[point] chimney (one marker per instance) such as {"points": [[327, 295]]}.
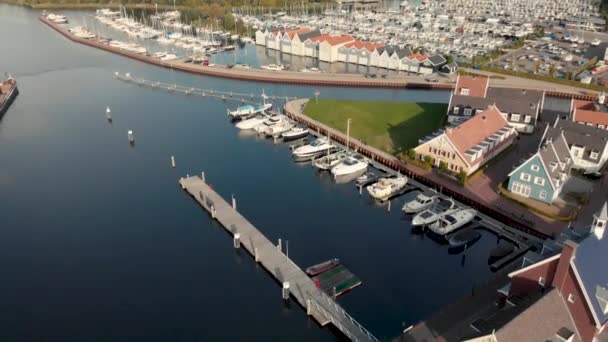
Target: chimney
{"points": [[563, 265], [599, 222]]}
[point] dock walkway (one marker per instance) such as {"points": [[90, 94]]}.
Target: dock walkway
{"points": [[318, 304]]}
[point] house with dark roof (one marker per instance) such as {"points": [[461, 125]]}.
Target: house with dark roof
{"points": [[468, 146], [578, 274], [299, 38], [449, 68], [588, 144], [434, 63], [543, 175], [520, 107]]}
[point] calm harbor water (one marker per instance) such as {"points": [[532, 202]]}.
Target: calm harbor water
{"points": [[98, 242]]}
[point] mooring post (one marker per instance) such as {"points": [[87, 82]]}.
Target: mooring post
{"points": [[212, 211], [308, 307], [131, 136], [233, 202], [360, 190], [203, 176], [237, 240], [285, 290], [280, 245], [389, 206], [256, 255], [173, 161]]}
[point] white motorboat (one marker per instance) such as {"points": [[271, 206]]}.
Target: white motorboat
{"points": [[249, 110], [271, 121], [246, 40], [353, 164], [168, 57], [435, 212], [387, 187], [253, 122], [596, 42], [366, 178], [420, 203], [315, 148], [453, 221], [295, 133], [273, 67], [279, 128], [327, 162]]}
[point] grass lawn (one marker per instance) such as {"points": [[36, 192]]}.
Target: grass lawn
{"points": [[389, 126]]}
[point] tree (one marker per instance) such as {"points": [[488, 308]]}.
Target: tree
{"points": [[228, 21], [552, 70], [411, 154]]}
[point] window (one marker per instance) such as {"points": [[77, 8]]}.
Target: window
{"points": [[527, 119], [539, 181], [525, 177], [464, 91], [468, 111], [541, 281], [456, 110], [593, 155], [576, 152], [571, 298], [521, 189], [535, 168], [542, 195], [515, 117]]}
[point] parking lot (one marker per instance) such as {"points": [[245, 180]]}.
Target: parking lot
{"points": [[558, 58]]}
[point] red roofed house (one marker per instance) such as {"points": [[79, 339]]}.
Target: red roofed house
{"points": [[471, 144], [472, 86], [592, 113], [357, 52], [329, 45]]}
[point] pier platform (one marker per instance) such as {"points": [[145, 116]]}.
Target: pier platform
{"points": [[318, 305]]}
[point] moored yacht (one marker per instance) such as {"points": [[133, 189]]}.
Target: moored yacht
{"points": [[352, 164], [315, 148], [329, 161], [596, 42], [253, 122], [271, 121], [418, 204], [279, 128], [249, 110], [435, 212], [387, 187], [295, 133], [273, 67], [453, 221]]}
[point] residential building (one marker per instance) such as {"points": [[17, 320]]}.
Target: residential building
{"points": [[466, 147], [329, 45], [543, 175], [592, 113], [588, 144], [520, 107]]}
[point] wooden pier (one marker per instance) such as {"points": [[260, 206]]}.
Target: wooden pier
{"points": [[318, 305]]}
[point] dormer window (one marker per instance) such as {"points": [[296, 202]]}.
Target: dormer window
{"points": [[468, 111], [593, 155], [464, 91], [527, 119], [515, 117], [456, 110]]}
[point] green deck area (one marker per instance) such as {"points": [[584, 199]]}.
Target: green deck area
{"points": [[339, 278], [390, 126]]}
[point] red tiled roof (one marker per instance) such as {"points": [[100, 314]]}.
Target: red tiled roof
{"points": [[332, 40], [364, 45], [476, 129], [292, 33], [477, 85], [419, 57], [586, 113]]}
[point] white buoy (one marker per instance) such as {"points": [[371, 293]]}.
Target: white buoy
{"points": [[237, 240], [131, 137], [285, 290], [172, 161], [108, 114]]}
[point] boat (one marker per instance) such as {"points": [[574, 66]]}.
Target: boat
{"points": [[596, 42], [386, 187], [168, 57], [434, 213], [452, 221], [315, 148], [464, 238], [352, 164], [503, 249], [271, 121], [366, 179], [295, 133], [329, 161], [252, 122], [273, 67], [279, 128], [8, 93], [249, 110], [322, 267], [418, 204], [246, 40]]}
